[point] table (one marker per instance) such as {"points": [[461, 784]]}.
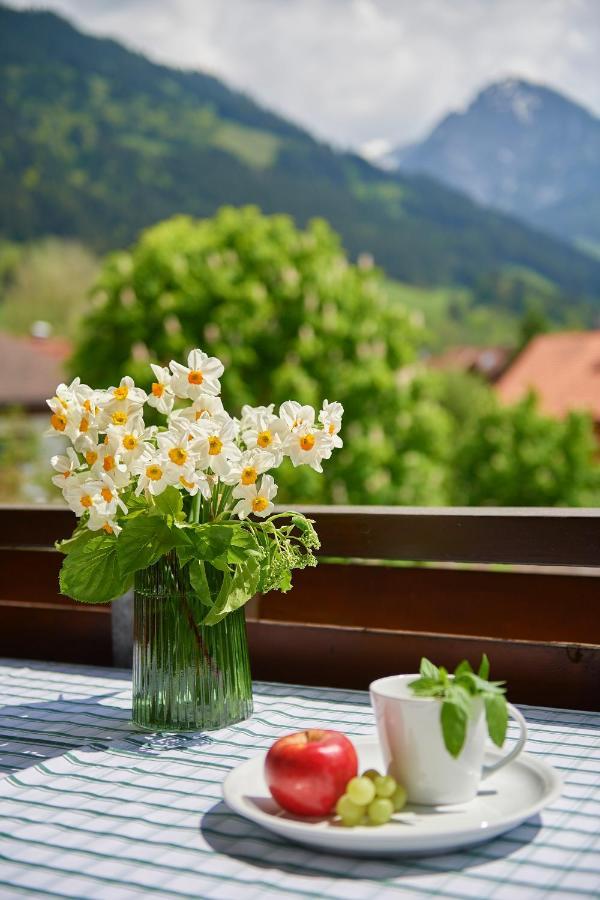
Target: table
{"points": [[90, 808]]}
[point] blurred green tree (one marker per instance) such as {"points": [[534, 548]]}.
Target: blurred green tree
{"points": [[290, 317], [514, 456]]}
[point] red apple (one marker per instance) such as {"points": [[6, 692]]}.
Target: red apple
{"points": [[307, 772]]}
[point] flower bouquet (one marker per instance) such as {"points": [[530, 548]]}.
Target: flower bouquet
{"points": [[184, 512]]}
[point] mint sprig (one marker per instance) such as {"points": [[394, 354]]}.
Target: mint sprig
{"points": [[457, 694]]}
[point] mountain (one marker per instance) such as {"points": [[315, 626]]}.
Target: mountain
{"points": [[98, 142], [524, 149]]}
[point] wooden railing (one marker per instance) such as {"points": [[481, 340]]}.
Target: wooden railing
{"points": [[362, 615]]}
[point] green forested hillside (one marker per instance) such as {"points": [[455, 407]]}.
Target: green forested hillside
{"points": [[97, 142]]}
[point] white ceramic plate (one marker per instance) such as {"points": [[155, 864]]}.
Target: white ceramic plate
{"points": [[514, 794]]}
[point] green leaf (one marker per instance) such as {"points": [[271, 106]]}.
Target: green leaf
{"points": [[496, 714], [235, 591], [426, 687], [170, 502], [428, 670], [484, 668], [454, 721], [143, 541], [91, 573], [78, 540], [199, 582], [462, 668]]}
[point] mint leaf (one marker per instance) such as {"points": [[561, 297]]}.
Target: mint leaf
{"points": [[462, 668], [170, 502], [91, 573], [426, 687], [454, 721], [143, 541], [484, 668], [428, 670], [496, 714]]}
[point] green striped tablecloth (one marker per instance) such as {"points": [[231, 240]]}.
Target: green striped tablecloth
{"points": [[91, 809]]}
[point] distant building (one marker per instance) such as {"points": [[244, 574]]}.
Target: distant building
{"points": [[30, 370], [564, 371], [488, 362]]}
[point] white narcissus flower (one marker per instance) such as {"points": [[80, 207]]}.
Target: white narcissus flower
{"points": [[154, 475], [266, 433], [99, 521], [216, 445], [200, 376], [126, 394], [295, 415], [66, 466], [177, 446], [308, 446], [161, 395], [254, 498], [129, 444], [195, 482], [204, 406], [109, 462], [331, 419], [82, 494], [246, 469], [109, 501], [252, 414]]}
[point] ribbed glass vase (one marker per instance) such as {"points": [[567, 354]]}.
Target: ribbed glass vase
{"points": [[185, 677]]}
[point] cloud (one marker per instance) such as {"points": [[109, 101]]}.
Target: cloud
{"points": [[354, 71]]}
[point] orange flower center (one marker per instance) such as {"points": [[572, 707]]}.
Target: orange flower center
{"points": [[86, 501], [121, 392], [200, 413], [130, 442], [84, 424], [215, 445], [249, 475], [107, 528], [158, 389], [195, 377], [307, 441], [264, 439], [107, 494], [119, 417], [259, 504], [90, 457], [178, 456], [187, 484], [58, 422], [108, 463], [332, 428], [154, 472], [87, 406]]}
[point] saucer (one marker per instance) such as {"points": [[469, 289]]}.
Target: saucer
{"points": [[506, 799]]}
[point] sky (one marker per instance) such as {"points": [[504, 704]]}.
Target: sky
{"points": [[360, 72]]}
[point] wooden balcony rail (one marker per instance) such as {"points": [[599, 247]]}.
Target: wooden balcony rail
{"points": [[363, 615]]}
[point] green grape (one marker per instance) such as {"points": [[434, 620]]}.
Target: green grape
{"points": [[398, 798], [385, 786], [349, 812], [360, 790], [370, 773], [380, 811]]}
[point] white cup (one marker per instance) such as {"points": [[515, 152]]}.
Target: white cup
{"points": [[413, 747]]}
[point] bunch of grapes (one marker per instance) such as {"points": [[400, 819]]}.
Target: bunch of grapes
{"points": [[370, 799]]}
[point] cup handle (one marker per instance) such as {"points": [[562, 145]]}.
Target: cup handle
{"points": [[514, 712]]}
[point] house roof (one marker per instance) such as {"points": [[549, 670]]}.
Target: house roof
{"points": [[563, 369], [488, 362], [30, 369]]}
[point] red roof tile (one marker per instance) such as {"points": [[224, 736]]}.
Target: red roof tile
{"points": [[30, 369], [563, 369]]}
